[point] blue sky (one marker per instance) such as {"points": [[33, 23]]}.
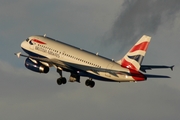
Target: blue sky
{"points": [[107, 27]]}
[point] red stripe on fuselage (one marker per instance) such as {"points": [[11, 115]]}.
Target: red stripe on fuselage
{"points": [[128, 65], [38, 41], [142, 46], [137, 76]]}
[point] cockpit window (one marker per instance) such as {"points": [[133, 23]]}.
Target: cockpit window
{"points": [[27, 39]]}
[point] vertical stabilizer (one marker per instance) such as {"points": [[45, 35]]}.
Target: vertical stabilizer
{"points": [[133, 59]]}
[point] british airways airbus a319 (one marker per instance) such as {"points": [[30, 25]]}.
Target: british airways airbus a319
{"points": [[44, 52]]}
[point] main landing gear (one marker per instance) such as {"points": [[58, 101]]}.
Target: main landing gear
{"points": [[90, 83], [61, 80], [73, 78]]}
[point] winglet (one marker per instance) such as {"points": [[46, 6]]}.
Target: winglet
{"points": [[172, 67], [18, 54]]}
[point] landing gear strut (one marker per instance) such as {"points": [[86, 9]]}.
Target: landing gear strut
{"points": [[61, 80], [73, 77], [90, 83]]}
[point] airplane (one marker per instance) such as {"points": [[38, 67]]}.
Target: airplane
{"points": [[45, 52]]}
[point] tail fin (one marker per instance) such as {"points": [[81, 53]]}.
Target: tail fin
{"points": [[134, 57]]}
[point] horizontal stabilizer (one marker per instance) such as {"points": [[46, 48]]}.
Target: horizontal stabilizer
{"points": [[149, 67], [156, 76]]}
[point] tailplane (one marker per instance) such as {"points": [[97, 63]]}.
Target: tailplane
{"points": [[133, 59]]}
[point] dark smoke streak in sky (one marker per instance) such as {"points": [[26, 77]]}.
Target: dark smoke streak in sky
{"points": [[140, 17]]}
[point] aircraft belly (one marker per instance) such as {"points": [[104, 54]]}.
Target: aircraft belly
{"points": [[104, 77]]}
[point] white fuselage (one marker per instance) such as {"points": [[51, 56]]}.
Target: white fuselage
{"points": [[54, 49]]}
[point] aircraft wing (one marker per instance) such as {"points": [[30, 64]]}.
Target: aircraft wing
{"points": [[149, 67], [95, 70], [73, 66], [77, 67], [53, 62]]}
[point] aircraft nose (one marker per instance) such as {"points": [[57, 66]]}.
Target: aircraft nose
{"points": [[22, 44]]}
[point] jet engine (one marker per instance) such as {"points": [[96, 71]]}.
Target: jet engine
{"points": [[36, 66]]}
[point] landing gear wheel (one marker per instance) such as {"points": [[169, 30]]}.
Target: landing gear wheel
{"points": [[90, 83], [61, 81], [87, 83]]}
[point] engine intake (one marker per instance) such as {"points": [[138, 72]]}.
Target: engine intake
{"points": [[36, 67]]}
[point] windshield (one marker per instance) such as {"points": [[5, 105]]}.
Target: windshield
{"points": [[27, 39]]}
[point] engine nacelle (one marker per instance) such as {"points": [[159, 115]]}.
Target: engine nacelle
{"points": [[36, 67]]}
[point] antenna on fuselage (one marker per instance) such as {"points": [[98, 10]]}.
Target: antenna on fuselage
{"points": [[44, 35]]}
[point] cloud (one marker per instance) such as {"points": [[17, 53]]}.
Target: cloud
{"points": [[140, 17], [72, 21], [25, 94], [28, 95]]}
